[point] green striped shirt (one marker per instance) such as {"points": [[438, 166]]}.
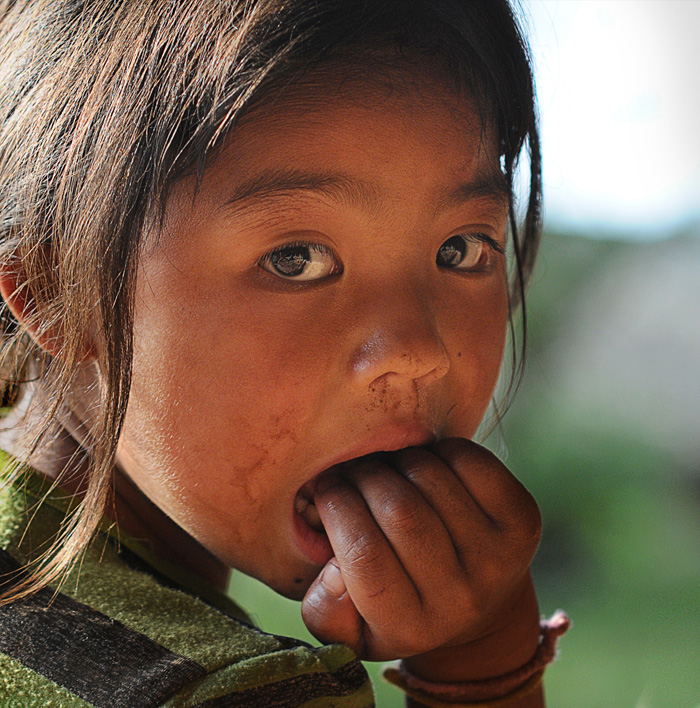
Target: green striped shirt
{"points": [[123, 634]]}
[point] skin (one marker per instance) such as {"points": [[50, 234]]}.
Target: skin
{"points": [[247, 386]]}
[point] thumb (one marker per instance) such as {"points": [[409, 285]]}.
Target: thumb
{"points": [[329, 613]]}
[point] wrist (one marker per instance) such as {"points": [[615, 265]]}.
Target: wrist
{"points": [[510, 643], [520, 688]]}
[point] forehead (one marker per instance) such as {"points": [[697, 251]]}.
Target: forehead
{"points": [[369, 130], [398, 93]]}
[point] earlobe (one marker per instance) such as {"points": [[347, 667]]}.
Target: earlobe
{"points": [[18, 299]]}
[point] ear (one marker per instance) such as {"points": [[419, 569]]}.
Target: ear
{"points": [[17, 296]]}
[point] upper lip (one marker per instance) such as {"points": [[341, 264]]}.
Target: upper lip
{"points": [[390, 437]]}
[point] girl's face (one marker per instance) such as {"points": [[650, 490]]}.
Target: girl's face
{"points": [[336, 287]]}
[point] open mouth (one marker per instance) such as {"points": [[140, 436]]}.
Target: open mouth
{"points": [[306, 508], [310, 533]]}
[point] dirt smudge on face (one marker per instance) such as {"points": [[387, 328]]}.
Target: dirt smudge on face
{"points": [[395, 395], [249, 483]]}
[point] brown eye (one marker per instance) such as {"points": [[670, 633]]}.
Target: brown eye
{"points": [[301, 262], [461, 252]]}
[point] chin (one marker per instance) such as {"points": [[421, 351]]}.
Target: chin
{"points": [[294, 585]]}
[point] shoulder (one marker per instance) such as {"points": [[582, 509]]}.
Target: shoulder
{"points": [[120, 637], [168, 649]]}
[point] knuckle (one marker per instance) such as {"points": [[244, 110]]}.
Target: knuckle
{"points": [[454, 451], [414, 461], [401, 516], [458, 452], [361, 550]]}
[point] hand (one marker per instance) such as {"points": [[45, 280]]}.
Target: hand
{"points": [[432, 551]]}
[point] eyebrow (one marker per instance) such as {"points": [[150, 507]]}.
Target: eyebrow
{"points": [[487, 186], [273, 184]]}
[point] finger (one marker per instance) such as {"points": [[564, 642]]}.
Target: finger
{"points": [[497, 491], [414, 530], [328, 610], [376, 581], [460, 513]]}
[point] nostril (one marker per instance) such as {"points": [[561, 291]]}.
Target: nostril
{"points": [[413, 353], [437, 372]]}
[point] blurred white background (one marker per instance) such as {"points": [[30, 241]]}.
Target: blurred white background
{"points": [[619, 90]]}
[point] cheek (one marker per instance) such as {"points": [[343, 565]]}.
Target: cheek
{"points": [[223, 378], [222, 397], [477, 345]]}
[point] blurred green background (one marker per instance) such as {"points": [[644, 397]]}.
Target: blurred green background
{"points": [[604, 432]]}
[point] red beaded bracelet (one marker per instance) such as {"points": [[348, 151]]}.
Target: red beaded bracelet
{"points": [[497, 691]]}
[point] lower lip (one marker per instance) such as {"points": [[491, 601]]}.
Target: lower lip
{"points": [[314, 545]]}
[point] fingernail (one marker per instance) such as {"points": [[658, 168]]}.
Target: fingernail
{"points": [[333, 580]]}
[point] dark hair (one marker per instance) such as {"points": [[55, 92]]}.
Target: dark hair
{"points": [[106, 104]]}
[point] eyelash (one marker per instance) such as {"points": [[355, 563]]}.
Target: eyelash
{"points": [[487, 240], [312, 246], [489, 247], [316, 247]]}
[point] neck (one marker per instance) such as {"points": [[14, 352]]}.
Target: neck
{"points": [[64, 459]]}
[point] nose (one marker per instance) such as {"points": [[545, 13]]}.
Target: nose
{"points": [[399, 343]]}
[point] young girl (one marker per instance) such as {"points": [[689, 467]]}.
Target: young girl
{"points": [[259, 260]]}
